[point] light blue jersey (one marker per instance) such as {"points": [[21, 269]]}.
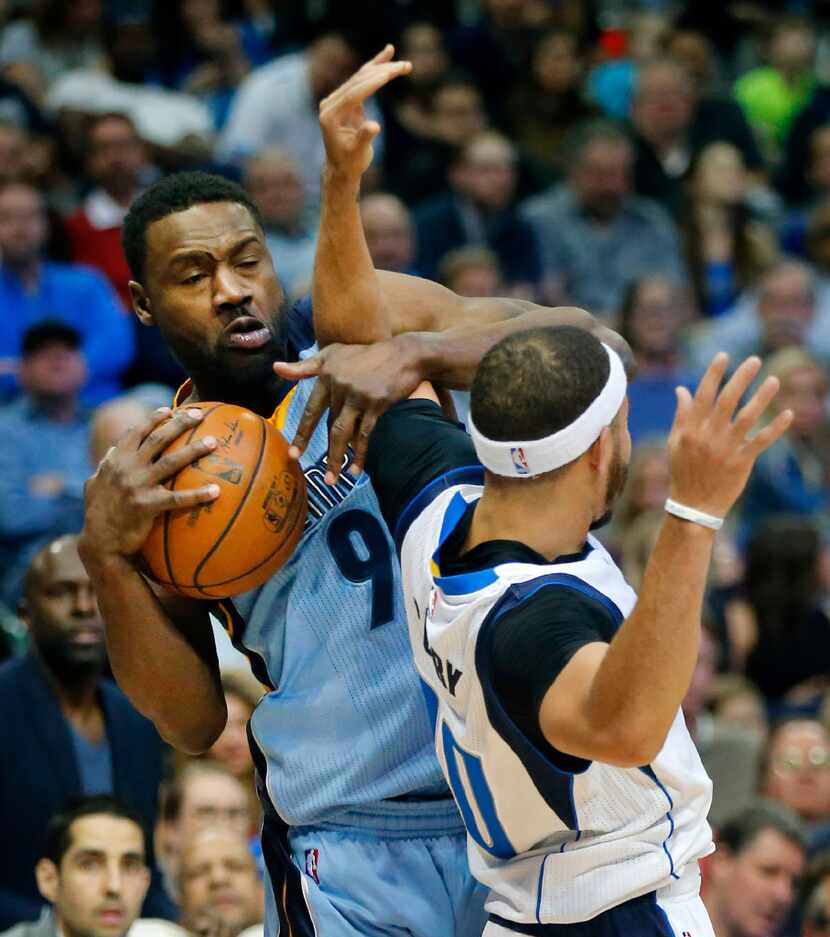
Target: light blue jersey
{"points": [[342, 741]]}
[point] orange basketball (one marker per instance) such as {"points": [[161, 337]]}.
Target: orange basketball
{"points": [[238, 541]]}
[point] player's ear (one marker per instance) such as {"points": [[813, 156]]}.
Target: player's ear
{"points": [[141, 303], [47, 876], [601, 453]]}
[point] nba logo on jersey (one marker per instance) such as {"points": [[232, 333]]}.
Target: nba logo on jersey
{"points": [[312, 857], [520, 460]]}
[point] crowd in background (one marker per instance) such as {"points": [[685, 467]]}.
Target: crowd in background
{"points": [[666, 165]]}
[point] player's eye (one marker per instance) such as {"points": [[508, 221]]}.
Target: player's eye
{"points": [[251, 262], [192, 279]]}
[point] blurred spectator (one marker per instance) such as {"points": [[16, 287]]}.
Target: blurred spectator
{"points": [[645, 492], [752, 878], [220, 891], [693, 50], [472, 271], [650, 321], [734, 700], [816, 243], [812, 200], [32, 290], [59, 37], [66, 730], [203, 794], [479, 209], [116, 161], [113, 419], [797, 770], [772, 96], [93, 871], [551, 103], [166, 119], [817, 901], [19, 108], [388, 228], [793, 476], [730, 753], [672, 124], [782, 312], [231, 749], [42, 473], [595, 236], [12, 145], [276, 185], [277, 106], [779, 633], [726, 250]]}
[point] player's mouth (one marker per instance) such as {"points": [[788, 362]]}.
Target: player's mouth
{"points": [[90, 635], [112, 917], [247, 334]]}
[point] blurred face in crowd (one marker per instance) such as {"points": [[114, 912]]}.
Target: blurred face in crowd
{"points": [[131, 48], [601, 177], [274, 183], [507, 13], [480, 279], [486, 173], [231, 748], [654, 322], [756, 888], [746, 710], [388, 230], [103, 877], [804, 391], [331, 61], [214, 799], [793, 48], [211, 288], [12, 145], [83, 16], [423, 45], [54, 371], [798, 769], [556, 64], [819, 170], [786, 305], [23, 226], [457, 113], [218, 880], [702, 677], [817, 924], [112, 421], [116, 156], [720, 175], [694, 52], [61, 611], [664, 104]]}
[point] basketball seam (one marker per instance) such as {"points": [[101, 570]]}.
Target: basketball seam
{"points": [[235, 514], [166, 528]]}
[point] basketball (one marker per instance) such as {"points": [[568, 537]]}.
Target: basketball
{"points": [[238, 541]]}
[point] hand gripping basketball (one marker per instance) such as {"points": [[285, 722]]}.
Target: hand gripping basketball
{"points": [[711, 447], [127, 493]]}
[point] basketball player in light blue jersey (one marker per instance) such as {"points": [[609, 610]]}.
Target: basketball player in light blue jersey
{"points": [[361, 835]]}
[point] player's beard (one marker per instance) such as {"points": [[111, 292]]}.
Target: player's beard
{"points": [[617, 476]]}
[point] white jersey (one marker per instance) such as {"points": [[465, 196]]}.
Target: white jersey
{"points": [[552, 846]]}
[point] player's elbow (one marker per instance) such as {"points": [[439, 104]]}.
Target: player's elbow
{"points": [[193, 738], [611, 744]]}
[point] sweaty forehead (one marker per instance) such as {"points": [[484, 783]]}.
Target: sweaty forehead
{"points": [[214, 227]]}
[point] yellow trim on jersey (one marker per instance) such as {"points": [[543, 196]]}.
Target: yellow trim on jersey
{"points": [[228, 624], [277, 418]]}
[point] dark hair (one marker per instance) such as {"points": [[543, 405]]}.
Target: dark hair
{"points": [[593, 130], [534, 383], [743, 828], [170, 195], [95, 121], [59, 829], [49, 332]]}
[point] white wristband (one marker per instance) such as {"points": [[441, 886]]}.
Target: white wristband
{"points": [[692, 514]]}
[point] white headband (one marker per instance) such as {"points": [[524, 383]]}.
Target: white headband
{"points": [[537, 456]]}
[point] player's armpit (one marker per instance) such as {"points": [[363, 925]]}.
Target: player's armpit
{"points": [[565, 716]]}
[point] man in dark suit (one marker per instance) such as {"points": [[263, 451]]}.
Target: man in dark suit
{"points": [[66, 731]]}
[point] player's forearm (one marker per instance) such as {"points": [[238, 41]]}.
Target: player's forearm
{"points": [[451, 358], [348, 305], [647, 669], [163, 675]]}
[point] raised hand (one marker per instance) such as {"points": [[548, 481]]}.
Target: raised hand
{"points": [[127, 492], [357, 384], [347, 134], [710, 447]]}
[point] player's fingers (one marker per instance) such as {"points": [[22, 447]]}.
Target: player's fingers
{"points": [[168, 465], [368, 131], [318, 403], [710, 382], [770, 434], [160, 437], [163, 499], [737, 385], [135, 434], [363, 87], [751, 412], [341, 433], [360, 443], [685, 406], [299, 370], [386, 54]]}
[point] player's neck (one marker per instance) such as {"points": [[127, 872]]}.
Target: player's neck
{"points": [[552, 526], [261, 400]]}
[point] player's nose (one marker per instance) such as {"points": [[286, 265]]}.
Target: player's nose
{"points": [[229, 289]]}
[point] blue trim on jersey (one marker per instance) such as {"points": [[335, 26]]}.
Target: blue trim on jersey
{"points": [[539, 888], [648, 771], [461, 583], [431, 699], [661, 912], [465, 475]]}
